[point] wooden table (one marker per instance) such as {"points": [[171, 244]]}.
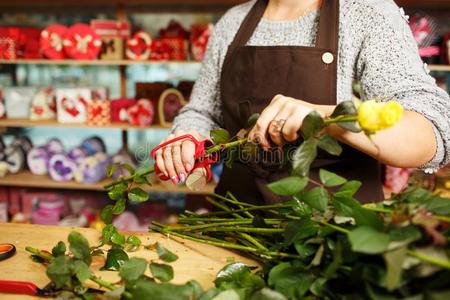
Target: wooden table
{"points": [[196, 261]]}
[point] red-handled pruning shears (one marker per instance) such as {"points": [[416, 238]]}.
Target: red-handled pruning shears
{"points": [[202, 158]]}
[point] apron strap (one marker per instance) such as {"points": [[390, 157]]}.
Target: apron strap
{"points": [[328, 33]]}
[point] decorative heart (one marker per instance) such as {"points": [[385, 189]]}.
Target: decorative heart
{"points": [[39, 110], [169, 104], [70, 107]]}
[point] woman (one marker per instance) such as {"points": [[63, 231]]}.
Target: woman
{"points": [[284, 58]]}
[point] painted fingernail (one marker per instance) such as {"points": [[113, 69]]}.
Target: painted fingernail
{"points": [[175, 180], [188, 167], [166, 174], [182, 179]]}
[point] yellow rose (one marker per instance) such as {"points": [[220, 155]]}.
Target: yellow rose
{"points": [[374, 116], [368, 116], [391, 113]]}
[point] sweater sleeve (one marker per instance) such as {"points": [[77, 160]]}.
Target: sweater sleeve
{"points": [[389, 67], [203, 112]]}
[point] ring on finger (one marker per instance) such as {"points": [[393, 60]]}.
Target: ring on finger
{"points": [[278, 124]]}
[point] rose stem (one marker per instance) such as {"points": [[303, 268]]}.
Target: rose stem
{"points": [[39, 253], [237, 203], [389, 211]]}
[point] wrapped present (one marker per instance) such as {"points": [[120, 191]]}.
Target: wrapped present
{"points": [[43, 105], [54, 146], [112, 33], [61, 168], [170, 103], [7, 48], [152, 91], [139, 46], [99, 113], [72, 104], [51, 41], [93, 145], [119, 109], [174, 29], [49, 212], [23, 142], [14, 157], [92, 168], [38, 159], [178, 48], [119, 159], [160, 50], [200, 34], [18, 102], [81, 42], [29, 46], [141, 114], [99, 93], [77, 154]]}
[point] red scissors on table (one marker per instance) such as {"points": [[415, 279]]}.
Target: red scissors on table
{"points": [[203, 159], [21, 287]]}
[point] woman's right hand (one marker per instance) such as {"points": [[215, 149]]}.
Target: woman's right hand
{"points": [[177, 160]]}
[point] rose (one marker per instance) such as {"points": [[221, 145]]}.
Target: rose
{"points": [[374, 116]]}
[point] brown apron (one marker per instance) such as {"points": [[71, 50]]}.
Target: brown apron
{"points": [[253, 75]]}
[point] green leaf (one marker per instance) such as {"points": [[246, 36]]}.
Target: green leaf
{"points": [[134, 240], [318, 287], [138, 195], [60, 271], [344, 206], [108, 232], [115, 258], [228, 294], [146, 289], [305, 250], [117, 192], [394, 262], [132, 269], [119, 207], [288, 186], [59, 249], [329, 144], [303, 157], [129, 168], [347, 108], [162, 272], [118, 239], [408, 233], [81, 270], [238, 276], [267, 294], [330, 179], [364, 217], [367, 240], [115, 294], [219, 136], [141, 179], [165, 255], [349, 189], [438, 205], [291, 281], [317, 198], [106, 214], [312, 124], [296, 231], [79, 246], [111, 169], [252, 121]]}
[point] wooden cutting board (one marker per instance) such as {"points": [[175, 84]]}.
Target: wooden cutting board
{"points": [[196, 261]]}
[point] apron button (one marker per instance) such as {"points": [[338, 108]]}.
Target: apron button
{"points": [[328, 58]]}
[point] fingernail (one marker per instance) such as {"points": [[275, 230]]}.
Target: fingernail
{"points": [[166, 174], [175, 180], [188, 167], [182, 179]]}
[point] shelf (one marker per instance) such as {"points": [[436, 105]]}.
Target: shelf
{"points": [[28, 180], [443, 68], [94, 62], [24, 123]]}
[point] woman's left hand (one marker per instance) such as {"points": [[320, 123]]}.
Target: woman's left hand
{"points": [[280, 121]]}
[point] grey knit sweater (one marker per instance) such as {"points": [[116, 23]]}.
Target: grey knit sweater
{"points": [[376, 47]]}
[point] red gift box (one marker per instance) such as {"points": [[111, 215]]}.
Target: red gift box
{"points": [[98, 113], [52, 41], [139, 47], [119, 109], [19, 42], [112, 33], [81, 42], [174, 29], [141, 114], [160, 50], [200, 34], [177, 47]]}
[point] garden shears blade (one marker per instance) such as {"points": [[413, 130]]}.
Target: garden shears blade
{"points": [[203, 159]]}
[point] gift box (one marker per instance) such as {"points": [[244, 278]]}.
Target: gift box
{"points": [[52, 41], [18, 102], [99, 93], [139, 47], [119, 109], [98, 113], [113, 33], [19, 42], [169, 105], [200, 34], [177, 47], [81, 42], [61, 168], [92, 169], [142, 113], [152, 91], [7, 48], [72, 104], [43, 105], [160, 50]]}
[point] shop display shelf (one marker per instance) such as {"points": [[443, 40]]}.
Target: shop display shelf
{"points": [[95, 62], [29, 180], [25, 123]]}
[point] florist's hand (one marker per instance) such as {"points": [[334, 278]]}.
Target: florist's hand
{"points": [[177, 160], [280, 121]]}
